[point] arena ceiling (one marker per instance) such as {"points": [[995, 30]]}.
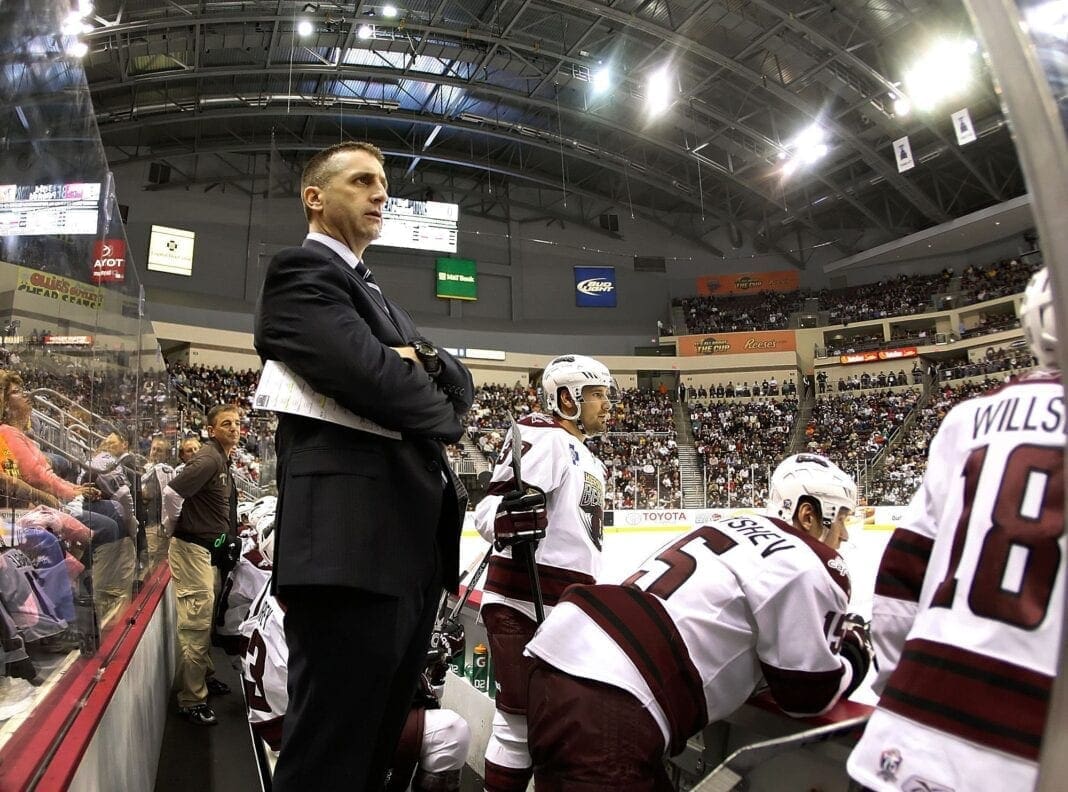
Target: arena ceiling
{"points": [[491, 103]]}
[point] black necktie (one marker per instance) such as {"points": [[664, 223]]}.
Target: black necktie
{"points": [[369, 279]]}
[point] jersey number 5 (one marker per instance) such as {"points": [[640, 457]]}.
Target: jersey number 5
{"points": [[680, 565], [1026, 518]]}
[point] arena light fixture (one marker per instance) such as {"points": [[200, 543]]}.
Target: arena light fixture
{"points": [[389, 11], [304, 28], [85, 7], [78, 49], [902, 106], [658, 91], [72, 24], [944, 72], [364, 32], [601, 80]]}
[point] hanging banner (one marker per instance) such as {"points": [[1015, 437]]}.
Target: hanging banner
{"points": [[749, 282], [737, 343], [903, 155], [58, 288], [109, 261], [962, 126], [595, 287]]}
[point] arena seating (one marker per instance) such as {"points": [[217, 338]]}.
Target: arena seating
{"points": [[852, 430], [736, 441], [904, 295]]}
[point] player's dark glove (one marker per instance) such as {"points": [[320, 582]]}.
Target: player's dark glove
{"points": [[857, 648], [521, 517], [453, 638]]}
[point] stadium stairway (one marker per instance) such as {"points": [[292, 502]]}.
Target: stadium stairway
{"points": [[678, 318], [474, 453], [691, 479], [806, 401]]}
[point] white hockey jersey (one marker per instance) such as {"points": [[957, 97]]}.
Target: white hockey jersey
{"points": [[573, 479], [265, 667], [967, 615], [694, 632], [242, 585]]}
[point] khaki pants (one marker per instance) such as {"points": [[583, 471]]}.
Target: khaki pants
{"points": [[113, 575], [158, 545], [194, 587]]}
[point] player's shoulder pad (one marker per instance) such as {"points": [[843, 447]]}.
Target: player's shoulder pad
{"points": [[539, 421], [829, 559]]}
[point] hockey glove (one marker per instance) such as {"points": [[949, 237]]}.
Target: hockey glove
{"points": [[521, 517], [857, 648]]}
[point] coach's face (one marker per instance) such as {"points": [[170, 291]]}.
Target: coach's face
{"points": [[348, 206]]}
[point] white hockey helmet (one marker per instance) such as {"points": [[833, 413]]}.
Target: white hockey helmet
{"points": [[574, 372], [266, 535], [1038, 320], [816, 477]]}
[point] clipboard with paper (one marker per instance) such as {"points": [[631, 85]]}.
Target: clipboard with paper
{"points": [[281, 390]]}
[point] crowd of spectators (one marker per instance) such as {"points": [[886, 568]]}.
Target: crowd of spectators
{"points": [[992, 323], [737, 444], [764, 311], [205, 386], [853, 429], [769, 386], [839, 344], [1007, 361], [903, 468], [881, 379], [1000, 279], [903, 295]]}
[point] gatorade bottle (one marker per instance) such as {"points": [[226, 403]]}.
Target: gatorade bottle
{"points": [[480, 668], [456, 664]]}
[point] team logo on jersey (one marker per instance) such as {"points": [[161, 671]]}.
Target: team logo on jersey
{"points": [[917, 784], [574, 454], [839, 566], [889, 763], [591, 502]]}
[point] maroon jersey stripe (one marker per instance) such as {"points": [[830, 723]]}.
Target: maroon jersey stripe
{"points": [[270, 731], [638, 623], [509, 578], [988, 701], [802, 692], [903, 566]]}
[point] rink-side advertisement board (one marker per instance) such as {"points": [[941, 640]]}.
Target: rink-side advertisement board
{"points": [[595, 287]]}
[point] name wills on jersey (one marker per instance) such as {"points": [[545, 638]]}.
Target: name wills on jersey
{"points": [[1020, 414]]}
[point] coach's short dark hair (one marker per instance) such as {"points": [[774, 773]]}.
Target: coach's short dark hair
{"points": [[319, 169], [219, 409]]}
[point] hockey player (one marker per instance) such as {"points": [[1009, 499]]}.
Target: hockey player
{"points": [[560, 510], [626, 673], [967, 613]]}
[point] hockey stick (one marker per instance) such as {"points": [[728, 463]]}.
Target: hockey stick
{"points": [[739, 764], [524, 549], [470, 586]]}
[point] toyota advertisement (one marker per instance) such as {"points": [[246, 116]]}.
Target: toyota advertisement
{"points": [[595, 287]]}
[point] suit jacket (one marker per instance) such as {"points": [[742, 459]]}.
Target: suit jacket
{"points": [[356, 509]]}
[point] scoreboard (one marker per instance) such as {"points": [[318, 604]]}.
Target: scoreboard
{"points": [[47, 209]]}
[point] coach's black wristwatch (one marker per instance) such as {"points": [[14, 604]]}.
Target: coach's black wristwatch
{"points": [[428, 356]]}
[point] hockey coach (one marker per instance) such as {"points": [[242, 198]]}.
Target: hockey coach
{"points": [[368, 522]]}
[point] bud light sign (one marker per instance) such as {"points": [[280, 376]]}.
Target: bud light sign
{"points": [[595, 287], [109, 261]]}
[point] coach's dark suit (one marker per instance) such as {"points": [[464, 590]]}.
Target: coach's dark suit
{"points": [[368, 528]]}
